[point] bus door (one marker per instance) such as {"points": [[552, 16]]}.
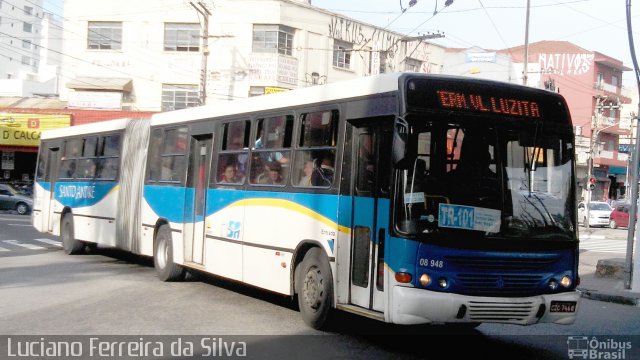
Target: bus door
{"points": [[196, 197], [370, 212], [52, 161]]}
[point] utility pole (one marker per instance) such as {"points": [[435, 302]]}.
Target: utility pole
{"points": [[526, 48], [202, 9], [593, 138]]}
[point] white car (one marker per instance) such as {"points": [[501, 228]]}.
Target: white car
{"points": [[598, 213]]}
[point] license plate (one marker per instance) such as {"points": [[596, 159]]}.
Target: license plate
{"points": [[563, 306]]}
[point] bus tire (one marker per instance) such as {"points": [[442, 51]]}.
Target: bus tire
{"points": [[166, 269], [70, 245], [315, 286]]}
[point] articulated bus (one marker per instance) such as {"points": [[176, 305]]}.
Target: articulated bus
{"points": [[407, 198]]}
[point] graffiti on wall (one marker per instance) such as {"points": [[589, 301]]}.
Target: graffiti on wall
{"points": [[566, 64], [362, 37]]}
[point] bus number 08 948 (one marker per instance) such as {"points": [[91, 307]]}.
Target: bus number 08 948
{"points": [[431, 263]]}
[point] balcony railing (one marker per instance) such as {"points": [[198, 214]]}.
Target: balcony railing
{"points": [[601, 85]]}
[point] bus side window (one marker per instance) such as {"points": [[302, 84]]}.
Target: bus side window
{"points": [[272, 144], [154, 165], [67, 169], [316, 153]]}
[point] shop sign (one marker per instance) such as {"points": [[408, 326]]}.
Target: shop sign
{"points": [[24, 129]]}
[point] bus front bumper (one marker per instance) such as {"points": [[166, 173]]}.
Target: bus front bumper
{"points": [[418, 306]]}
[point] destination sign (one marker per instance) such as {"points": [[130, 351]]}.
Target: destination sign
{"points": [[457, 100]]}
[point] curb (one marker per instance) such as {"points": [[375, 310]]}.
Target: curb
{"points": [[612, 298]]}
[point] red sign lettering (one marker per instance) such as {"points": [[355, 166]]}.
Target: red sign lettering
{"points": [[480, 103]]}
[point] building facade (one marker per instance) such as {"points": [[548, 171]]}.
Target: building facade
{"points": [[163, 55], [30, 49], [591, 82], [480, 63]]}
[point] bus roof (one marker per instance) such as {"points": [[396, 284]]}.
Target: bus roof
{"points": [[369, 85], [97, 127]]}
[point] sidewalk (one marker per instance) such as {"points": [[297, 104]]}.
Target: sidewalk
{"points": [[608, 285]]}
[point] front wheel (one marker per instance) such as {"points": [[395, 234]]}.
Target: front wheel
{"points": [[70, 245], [166, 269], [612, 224], [315, 288]]}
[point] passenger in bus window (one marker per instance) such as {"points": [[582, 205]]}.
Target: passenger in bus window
{"points": [[90, 170], [307, 170], [273, 174], [323, 176], [167, 171], [68, 169], [229, 175], [237, 142]]}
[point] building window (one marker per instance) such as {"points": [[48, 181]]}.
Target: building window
{"points": [[412, 65], [26, 60], [342, 54], [105, 35], [28, 10], [181, 37], [27, 27], [176, 97], [614, 81], [26, 44], [273, 39]]}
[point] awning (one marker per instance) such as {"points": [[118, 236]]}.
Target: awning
{"points": [[99, 83]]}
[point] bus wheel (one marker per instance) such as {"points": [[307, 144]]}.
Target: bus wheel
{"points": [[166, 269], [316, 288], [70, 245]]}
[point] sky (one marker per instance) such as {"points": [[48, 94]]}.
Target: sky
{"points": [[595, 25]]}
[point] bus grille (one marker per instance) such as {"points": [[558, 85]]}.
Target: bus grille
{"points": [[488, 311], [499, 284], [502, 263]]}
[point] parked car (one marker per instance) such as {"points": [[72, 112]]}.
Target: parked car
{"points": [[598, 213], [619, 217], [11, 199]]}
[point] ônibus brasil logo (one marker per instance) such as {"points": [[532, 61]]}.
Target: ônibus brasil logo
{"points": [[583, 347]]}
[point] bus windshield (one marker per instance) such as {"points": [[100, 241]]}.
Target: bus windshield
{"points": [[503, 179]]}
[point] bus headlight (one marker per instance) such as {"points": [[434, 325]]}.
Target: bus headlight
{"points": [[425, 280], [553, 284], [443, 283], [565, 281]]}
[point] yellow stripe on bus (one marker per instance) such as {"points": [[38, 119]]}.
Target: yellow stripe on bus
{"points": [[290, 205]]}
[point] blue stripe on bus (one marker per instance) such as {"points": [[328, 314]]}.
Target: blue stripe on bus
{"points": [[45, 185], [165, 202], [82, 193]]}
